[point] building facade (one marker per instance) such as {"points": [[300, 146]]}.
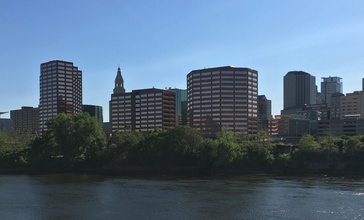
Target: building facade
{"points": [[352, 104], [6, 125], [181, 106], [94, 111], [329, 86], [290, 127], [26, 118], [299, 88], [142, 110], [264, 112], [223, 97], [347, 126], [335, 106], [60, 90]]}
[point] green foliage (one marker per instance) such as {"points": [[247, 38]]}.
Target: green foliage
{"points": [[77, 141], [207, 153], [227, 149], [330, 145], [121, 145], [307, 144], [260, 153], [353, 145], [283, 160], [71, 139], [14, 148]]}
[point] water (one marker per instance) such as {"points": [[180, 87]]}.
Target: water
{"points": [[69, 196]]}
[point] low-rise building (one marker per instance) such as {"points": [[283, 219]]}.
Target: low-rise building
{"points": [[26, 118]]}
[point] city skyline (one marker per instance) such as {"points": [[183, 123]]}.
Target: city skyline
{"points": [[158, 44]]}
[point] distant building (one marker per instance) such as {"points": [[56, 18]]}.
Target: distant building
{"points": [[26, 118], [6, 124], [335, 106], [181, 106], [347, 126], [352, 104], [223, 97], [292, 127], [94, 111], [142, 110], [60, 90], [264, 112], [329, 86], [299, 89], [106, 127]]}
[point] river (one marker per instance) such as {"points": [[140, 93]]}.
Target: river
{"points": [[71, 196]]}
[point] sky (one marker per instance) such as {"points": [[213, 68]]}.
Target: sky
{"points": [[157, 43]]}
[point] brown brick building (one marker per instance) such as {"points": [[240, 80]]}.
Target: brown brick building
{"points": [[223, 97], [143, 110]]}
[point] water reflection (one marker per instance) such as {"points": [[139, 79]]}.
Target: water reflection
{"points": [[245, 197]]}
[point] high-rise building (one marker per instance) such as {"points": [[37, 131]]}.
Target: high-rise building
{"points": [[142, 110], [299, 89], [223, 97], [329, 86], [264, 112], [60, 90], [94, 111], [26, 118], [181, 106]]}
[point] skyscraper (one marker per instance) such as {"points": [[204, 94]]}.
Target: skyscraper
{"points": [[329, 86], [181, 106], [60, 90], [264, 112], [299, 89], [223, 97]]}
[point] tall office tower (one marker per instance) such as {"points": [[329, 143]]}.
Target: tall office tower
{"points": [[264, 112], [223, 97], [26, 118], [142, 110], [329, 86], [60, 90], [94, 111], [299, 89]]}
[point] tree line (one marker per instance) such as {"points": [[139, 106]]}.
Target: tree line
{"points": [[77, 142]]}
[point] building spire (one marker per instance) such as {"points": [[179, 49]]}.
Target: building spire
{"points": [[119, 83]]}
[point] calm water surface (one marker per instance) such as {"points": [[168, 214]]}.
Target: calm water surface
{"points": [[245, 197]]}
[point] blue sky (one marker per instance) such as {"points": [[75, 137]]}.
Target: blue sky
{"points": [[157, 43]]}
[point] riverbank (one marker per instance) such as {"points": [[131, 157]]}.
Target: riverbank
{"points": [[147, 171]]}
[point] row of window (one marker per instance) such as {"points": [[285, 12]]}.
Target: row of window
{"points": [[148, 117], [148, 95], [149, 112], [151, 127]]}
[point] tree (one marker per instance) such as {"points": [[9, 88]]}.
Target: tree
{"points": [[14, 147], [353, 145], [181, 145], [72, 139], [122, 144], [227, 148], [329, 146], [307, 144]]}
